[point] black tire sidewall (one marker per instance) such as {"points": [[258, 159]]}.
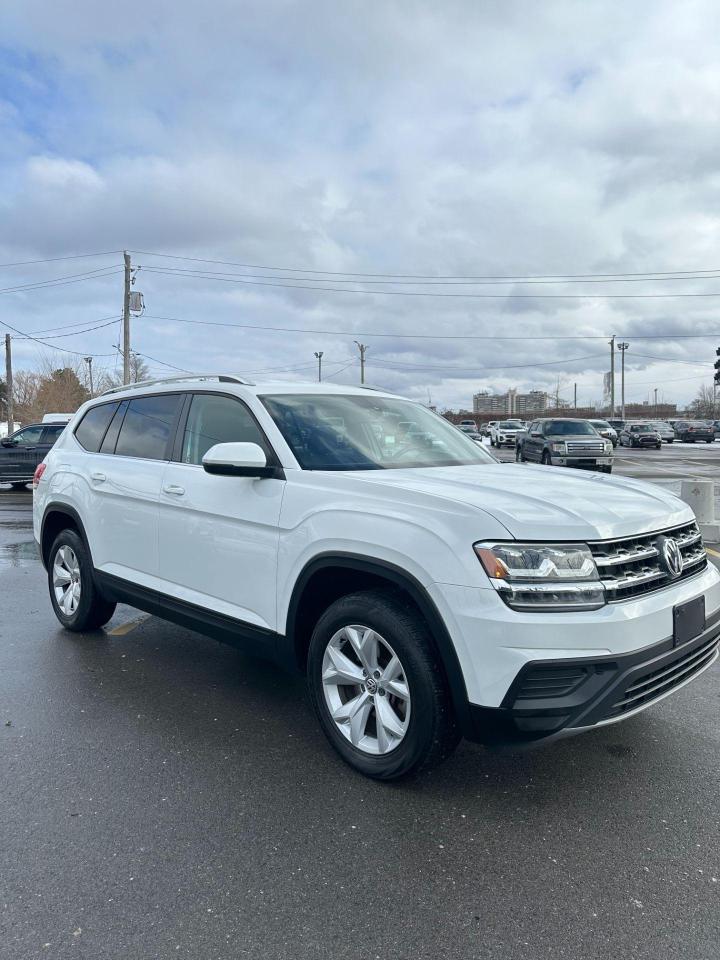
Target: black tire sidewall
{"points": [[385, 615], [86, 613]]}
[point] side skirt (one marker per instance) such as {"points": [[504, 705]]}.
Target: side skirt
{"points": [[246, 636]]}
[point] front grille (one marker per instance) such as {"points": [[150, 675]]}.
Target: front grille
{"points": [[590, 447], [660, 681], [633, 566]]}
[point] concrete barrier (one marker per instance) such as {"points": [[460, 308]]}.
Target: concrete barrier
{"points": [[700, 495]]}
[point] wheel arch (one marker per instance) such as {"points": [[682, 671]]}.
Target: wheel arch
{"points": [[57, 517], [329, 576]]}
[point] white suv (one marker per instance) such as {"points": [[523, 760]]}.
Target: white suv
{"points": [[427, 590]]}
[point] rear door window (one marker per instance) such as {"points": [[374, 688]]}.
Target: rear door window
{"points": [[50, 434], [90, 431], [147, 427]]}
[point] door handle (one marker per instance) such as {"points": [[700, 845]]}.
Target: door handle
{"points": [[174, 489], [98, 477]]}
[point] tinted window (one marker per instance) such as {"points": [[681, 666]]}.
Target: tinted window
{"points": [[108, 444], [92, 427], [569, 428], [217, 419], [50, 434], [29, 436], [146, 428]]}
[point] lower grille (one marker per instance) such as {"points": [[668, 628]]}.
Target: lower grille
{"points": [[660, 681], [557, 681], [634, 566]]}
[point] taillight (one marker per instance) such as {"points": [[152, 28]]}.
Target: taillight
{"points": [[37, 476]]}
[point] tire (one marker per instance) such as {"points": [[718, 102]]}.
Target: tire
{"points": [[425, 730], [709, 441], [657, 446], [19, 485], [69, 564], [519, 455], [546, 459], [605, 469]]}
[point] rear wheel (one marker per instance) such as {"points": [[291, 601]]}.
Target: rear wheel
{"points": [[519, 455], [378, 687], [73, 594]]}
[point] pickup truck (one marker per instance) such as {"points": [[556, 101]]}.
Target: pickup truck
{"points": [[564, 443]]}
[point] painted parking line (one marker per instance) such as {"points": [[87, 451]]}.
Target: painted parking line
{"points": [[713, 553], [127, 627]]}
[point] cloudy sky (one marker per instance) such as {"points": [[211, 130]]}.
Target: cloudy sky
{"points": [[350, 149]]}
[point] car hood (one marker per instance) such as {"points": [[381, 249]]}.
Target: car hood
{"points": [[546, 503]]}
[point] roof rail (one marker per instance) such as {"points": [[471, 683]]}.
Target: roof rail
{"points": [[190, 377]]}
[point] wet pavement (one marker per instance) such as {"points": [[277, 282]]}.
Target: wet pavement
{"points": [[164, 796]]}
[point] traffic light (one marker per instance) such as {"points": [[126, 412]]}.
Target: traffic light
{"points": [[717, 366]]}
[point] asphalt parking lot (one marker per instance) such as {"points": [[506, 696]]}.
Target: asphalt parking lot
{"points": [[164, 796]]}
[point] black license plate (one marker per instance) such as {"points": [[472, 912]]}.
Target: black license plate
{"points": [[688, 620]]}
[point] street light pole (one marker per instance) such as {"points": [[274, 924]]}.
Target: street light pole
{"points": [[318, 357], [622, 347], [612, 376], [88, 361]]}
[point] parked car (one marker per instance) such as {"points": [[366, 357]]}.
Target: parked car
{"points": [[297, 522], [504, 432], [640, 435], [565, 443], [617, 425], [23, 450], [605, 430], [486, 428], [468, 426], [667, 433], [692, 431]]}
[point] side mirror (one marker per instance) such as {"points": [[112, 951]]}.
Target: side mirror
{"points": [[7, 442], [237, 460], [536, 433]]}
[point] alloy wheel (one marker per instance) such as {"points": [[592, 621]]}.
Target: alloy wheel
{"points": [[365, 689], [66, 580]]}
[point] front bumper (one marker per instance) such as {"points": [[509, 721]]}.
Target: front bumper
{"points": [[548, 699], [496, 645], [588, 462]]}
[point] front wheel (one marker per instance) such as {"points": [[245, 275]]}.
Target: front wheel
{"points": [[378, 686], [546, 459], [73, 594], [519, 455]]}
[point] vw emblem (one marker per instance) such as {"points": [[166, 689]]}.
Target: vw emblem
{"points": [[672, 557]]}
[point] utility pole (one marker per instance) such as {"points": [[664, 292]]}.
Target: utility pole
{"points": [[88, 361], [656, 412], [575, 400], [126, 320], [612, 376], [9, 385], [622, 347], [362, 347], [318, 357]]}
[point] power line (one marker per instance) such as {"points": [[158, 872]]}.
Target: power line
{"points": [[430, 293], [77, 256], [218, 275], [479, 367], [650, 274], [62, 281], [74, 333], [25, 336], [428, 336]]}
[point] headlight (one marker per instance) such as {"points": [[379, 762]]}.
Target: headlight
{"points": [[608, 447], [558, 446], [536, 576]]}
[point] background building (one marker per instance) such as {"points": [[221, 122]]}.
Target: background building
{"points": [[510, 404]]}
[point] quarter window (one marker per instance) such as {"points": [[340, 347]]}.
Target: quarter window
{"points": [[91, 429], [217, 419], [146, 428]]}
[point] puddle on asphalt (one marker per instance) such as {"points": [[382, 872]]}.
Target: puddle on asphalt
{"points": [[18, 554]]}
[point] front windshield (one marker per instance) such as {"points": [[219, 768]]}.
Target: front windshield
{"points": [[570, 428], [642, 428], [508, 425], [333, 432]]}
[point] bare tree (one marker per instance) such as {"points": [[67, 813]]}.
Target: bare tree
{"points": [[704, 405]]}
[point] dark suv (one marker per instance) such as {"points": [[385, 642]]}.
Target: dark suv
{"points": [[565, 443], [22, 451]]}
